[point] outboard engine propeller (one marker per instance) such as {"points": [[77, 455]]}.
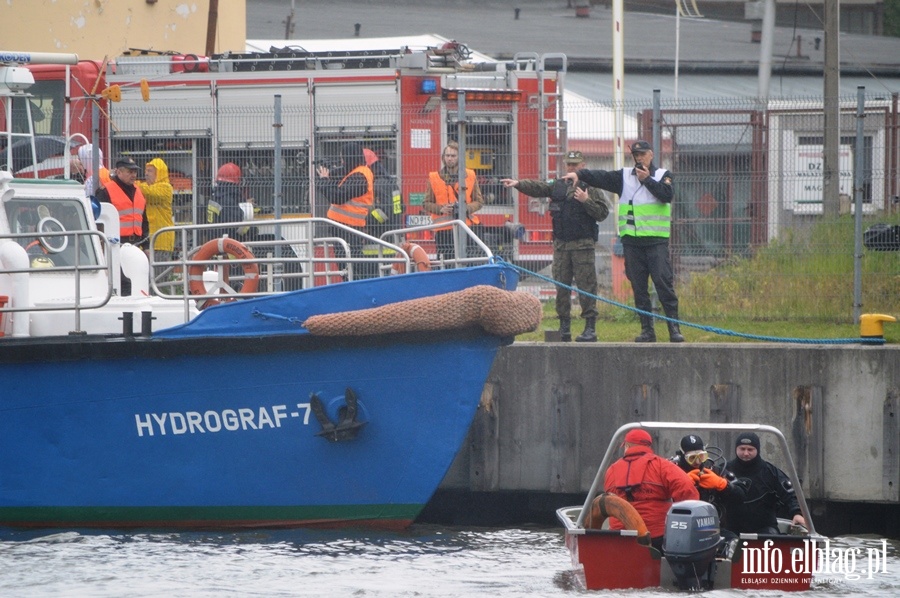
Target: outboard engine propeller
{"points": [[690, 543]]}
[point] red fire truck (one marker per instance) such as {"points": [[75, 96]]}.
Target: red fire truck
{"points": [[403, 105]]}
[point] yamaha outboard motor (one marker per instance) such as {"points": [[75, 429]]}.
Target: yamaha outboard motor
{"points": [[690, 543]]}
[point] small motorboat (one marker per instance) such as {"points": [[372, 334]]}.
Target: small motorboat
{"points": [[696, 556]]}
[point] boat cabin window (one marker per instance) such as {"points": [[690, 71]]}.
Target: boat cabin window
{"points": [[46, 219], [48, 103]]}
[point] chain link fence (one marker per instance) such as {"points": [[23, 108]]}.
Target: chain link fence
{"points": [[749, 234]]}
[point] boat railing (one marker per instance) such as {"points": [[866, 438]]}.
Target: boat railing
{"points": [[69, 256], [289, 254], [286, 254], [619, 437], [481, 253]]}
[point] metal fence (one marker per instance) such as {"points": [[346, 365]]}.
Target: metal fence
{"points": [[749, 234]]}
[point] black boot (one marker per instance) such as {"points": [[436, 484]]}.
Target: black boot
{"points": [[565, 330], [648, 334], [589, 335], [675, 335]]}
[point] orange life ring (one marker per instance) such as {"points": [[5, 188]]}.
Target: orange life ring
{"points": [[228, 247], [609, 505], [417, 255]]}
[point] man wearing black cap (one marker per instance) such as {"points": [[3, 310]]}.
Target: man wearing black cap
{"points": [[645, 221], [768, 491], [121, 192], [575, 211]]}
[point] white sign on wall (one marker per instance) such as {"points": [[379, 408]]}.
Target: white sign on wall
{"points": [[809, 185], [420, 138]]}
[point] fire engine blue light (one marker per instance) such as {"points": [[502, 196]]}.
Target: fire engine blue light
{"points": [[428, 86]]}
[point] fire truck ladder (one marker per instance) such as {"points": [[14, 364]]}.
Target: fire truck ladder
{"points": [[450, 55], [297, 59], [553, 135]]}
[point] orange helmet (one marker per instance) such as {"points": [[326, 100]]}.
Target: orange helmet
{"points": [[229, 173]]}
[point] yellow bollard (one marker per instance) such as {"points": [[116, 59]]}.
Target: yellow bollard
{"points": [[872, 325]]}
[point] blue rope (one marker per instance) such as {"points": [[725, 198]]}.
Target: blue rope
{"points": [[713, 329]]}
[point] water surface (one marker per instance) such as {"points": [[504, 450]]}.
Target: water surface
{"points": [[425, 560]]}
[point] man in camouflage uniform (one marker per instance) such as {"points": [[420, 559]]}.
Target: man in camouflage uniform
{"points": [[575, 211]]}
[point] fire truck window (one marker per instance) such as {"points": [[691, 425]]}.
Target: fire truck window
{"points": [[258, 178], [188, 161], [488, 153], [382, 147]]}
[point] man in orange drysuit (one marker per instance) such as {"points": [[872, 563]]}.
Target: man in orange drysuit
{"points": [[649, 482]]}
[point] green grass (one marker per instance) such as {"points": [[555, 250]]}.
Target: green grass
{"points": [[612, 330], [799, 287], [623, 328]]}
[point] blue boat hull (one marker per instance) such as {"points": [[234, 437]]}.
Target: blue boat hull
{"points": [[208, 429]]}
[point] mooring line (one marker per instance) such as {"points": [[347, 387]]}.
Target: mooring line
{"points": [[713, 329]]}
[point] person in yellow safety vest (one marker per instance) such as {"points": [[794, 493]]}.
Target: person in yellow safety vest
{"points": [[352, 197], [645, 224], [442, 198], [121, 192], [158, 192]]}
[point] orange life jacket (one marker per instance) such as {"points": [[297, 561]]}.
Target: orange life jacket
{"points": [[355, 211], [449, 194], [651, 484], [131, 213], [628, 475]]}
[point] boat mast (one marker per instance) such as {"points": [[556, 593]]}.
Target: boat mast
{"points": [[14, 83]]}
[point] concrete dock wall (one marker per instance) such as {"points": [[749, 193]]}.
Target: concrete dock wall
{"points": [[549, 410]]}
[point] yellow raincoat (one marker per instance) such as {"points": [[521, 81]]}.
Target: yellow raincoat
{"points": [[159, 205]]}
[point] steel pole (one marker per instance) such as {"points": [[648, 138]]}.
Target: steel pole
{"points": [[677, 45], [859, 164], [656, 134], [765, 49], [618, 37], [832, 89], [95, 147], [277, 126], [460, 236]]}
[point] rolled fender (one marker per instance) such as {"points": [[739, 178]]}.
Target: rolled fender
{"points": [[136, 267], [109, 219]]}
